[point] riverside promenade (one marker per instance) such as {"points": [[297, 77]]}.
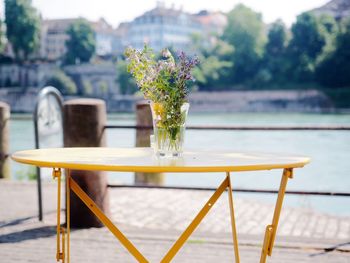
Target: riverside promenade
{"points": [[154, 218]]}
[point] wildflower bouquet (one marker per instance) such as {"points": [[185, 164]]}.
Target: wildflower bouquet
{"points": [[164, 83]]}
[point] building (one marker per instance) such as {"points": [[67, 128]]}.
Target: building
{"points": [[163, 27], [54, 37], [213, 25], [339, 9], [212, 22], [121, 40], [169, 27], [26, 75], [106, 37], [160, 27]]}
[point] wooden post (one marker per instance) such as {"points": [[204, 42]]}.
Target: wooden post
{"points": [[4, 140], [144, 118], [83, 125]]}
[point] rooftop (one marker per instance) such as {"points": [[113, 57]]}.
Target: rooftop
{"points": [[337, 8]]}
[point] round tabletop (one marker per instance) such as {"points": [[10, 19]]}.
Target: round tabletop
{"points": [[144, 160]]}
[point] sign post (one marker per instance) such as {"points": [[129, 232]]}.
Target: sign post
{"points": [[48, 125]]}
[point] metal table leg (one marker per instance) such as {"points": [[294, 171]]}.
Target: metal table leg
{"points": [[226, 184], [233, 221], [270, 233], [60, 248], [63, 249], [68, 213], [106, 221]]}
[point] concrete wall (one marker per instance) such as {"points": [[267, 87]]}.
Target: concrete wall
{"points": [[33, 75], [92, 80], [101, 78], [18, 100]]}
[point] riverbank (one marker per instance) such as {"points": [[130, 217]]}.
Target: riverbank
{"points": [[310, 100], [262, 101]]}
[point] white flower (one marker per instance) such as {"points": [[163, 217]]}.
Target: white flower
{"points": [[166, 53]]}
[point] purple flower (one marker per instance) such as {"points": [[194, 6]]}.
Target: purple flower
{"points": [[159, 79]]}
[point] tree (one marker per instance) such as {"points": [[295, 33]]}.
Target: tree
{"points": [[103, 88], [277, 38], [22, 27], [274, 62], [330, 29], [215, 66], [334, 70], [127, 84], [329, 23], [308, 40], [1, 37], [87, 88], [245, 32], [81, 44], [62, 82]]}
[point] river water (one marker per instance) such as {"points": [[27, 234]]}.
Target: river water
{"points": [[329, 169]]}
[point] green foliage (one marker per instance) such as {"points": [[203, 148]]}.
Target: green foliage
{"points": [[334, 70], [1, 36], [62, 82], [245, 32], [142, 67], [329, 23], [23, 27], [330, 30], [81, 44], [215, 67], [289, 59], [29, 174], [236, 57], [87, 87], [308, 37], [277, 38], [127, 84], [274, 62], [103, 87], [316, 49], [340, 97], [307, 43], [164, 82]]}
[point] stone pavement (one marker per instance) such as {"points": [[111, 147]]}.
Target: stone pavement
{"points": [[174, 210], [154, 218]]}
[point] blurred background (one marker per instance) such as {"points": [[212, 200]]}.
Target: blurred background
{"points": [[267, 63]]}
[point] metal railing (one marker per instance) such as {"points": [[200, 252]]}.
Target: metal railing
{"points": [[243, 128], [240, 190]]}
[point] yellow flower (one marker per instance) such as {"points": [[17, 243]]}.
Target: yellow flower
{"points": [[158, 109]]}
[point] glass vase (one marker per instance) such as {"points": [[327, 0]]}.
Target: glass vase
{"points": [[169, 124]]}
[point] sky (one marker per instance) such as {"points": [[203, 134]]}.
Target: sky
{"points": [[116, 11]]}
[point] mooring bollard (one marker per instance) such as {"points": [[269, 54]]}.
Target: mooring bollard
{"points": [[4, 140], [84, 121], [144, 118]]}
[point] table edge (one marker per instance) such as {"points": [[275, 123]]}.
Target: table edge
{"points": [[162, 169]]}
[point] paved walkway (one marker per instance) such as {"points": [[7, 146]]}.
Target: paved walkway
{"points": [[153, 218], [174, 210]]}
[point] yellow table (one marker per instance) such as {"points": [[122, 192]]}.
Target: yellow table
{"points": [[143, 160]]}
